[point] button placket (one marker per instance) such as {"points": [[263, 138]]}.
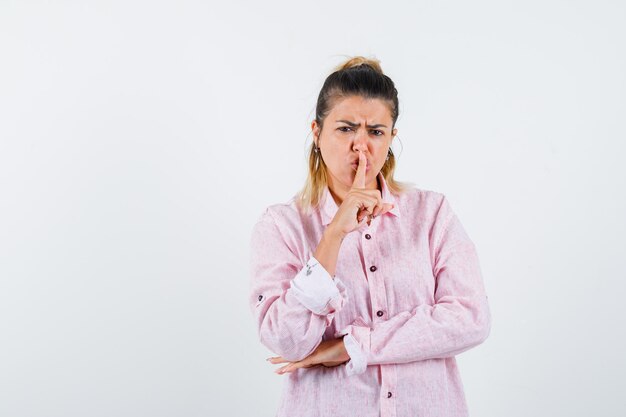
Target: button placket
{"points": [[370, 276], [377, 285], [389, 381]]}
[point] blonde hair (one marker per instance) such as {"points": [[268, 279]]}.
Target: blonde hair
{"points": [[357, 76]]}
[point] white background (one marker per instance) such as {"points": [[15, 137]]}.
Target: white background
{"points": [[141, 140]]}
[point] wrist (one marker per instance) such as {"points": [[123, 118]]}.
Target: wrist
{"points": [[331, 233], [346, 355]]}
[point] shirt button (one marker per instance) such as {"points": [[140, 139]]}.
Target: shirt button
{"points": [[373, 268], [379, 313], [389, 394], [260, 297], [367, 236]]}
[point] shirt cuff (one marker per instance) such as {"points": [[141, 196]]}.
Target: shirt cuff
{"points": [[356, 340], [317, 290]]}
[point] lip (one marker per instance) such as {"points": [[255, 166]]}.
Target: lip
{"points": [[355, 165]]}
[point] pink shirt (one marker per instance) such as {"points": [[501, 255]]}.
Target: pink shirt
{"points": [[407, 292]]}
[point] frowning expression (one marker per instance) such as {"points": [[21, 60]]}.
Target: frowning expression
{"points": [[355, 123]]}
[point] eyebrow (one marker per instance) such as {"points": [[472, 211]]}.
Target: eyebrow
{"points": [[352, 124]]}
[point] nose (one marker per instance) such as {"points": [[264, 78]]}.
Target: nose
{"points": [[360, 141]]}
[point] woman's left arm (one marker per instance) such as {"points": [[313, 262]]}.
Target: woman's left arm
{"points": [[459, 320]]}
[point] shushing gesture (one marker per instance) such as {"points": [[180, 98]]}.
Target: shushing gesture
{"points": [[360, 204], [357, 208]]}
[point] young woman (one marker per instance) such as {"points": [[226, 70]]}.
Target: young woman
{"points": [[365, 288]]}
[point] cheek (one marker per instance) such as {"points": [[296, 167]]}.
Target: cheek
{"points": [[335, 156], [337, 162]]}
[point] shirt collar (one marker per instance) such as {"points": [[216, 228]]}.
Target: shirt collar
{"points": [[329, 207]]}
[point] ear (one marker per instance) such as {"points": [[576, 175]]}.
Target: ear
{"points": [[315, 130], [394, 132]]}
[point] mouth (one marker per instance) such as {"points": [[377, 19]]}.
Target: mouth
{"points": [[355, 165]]}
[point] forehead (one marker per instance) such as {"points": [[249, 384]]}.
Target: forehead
{"points": [[359, 108]]}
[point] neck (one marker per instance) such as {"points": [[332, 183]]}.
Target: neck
{"points": [[339, 191]]}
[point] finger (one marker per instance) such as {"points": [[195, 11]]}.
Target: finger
{"points": [[375, 202], [276, 359], [367, 203], [359, 177], [377, 209], [281, 370], [293, 366], [289, 368], [371, 204], [362, 222], [364, 213], [387, 207], [382, 209]]}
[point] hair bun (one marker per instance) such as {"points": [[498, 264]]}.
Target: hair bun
{"points": [[358, 61]]}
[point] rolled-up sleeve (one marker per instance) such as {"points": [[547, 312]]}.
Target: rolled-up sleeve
{"points": [[316, 289], [293, 302], [458, 320]]}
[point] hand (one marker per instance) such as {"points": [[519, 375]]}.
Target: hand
{"points": [[328, 353], [360, 204]]}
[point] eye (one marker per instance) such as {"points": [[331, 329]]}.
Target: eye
{"points": [[344, 127], [380, 132]]}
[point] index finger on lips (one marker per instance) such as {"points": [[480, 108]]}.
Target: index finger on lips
{"points": [[359, 177]]}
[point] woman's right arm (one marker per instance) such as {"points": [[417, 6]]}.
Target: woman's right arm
{"points": [[327, 250], [292, 304]]}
